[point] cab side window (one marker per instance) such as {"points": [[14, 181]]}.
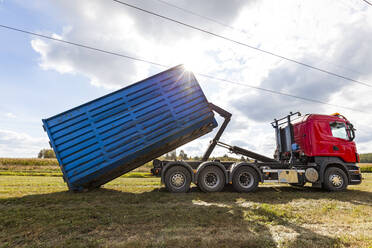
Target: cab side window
{"points": [[338, 130]]}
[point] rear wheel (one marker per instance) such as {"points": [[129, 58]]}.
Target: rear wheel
{"points": [[245, 179], [177, 179], [335, 179], [211, 179]]}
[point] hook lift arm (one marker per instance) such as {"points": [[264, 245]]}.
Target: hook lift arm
{"points": [[227, 116], [237, 150]]}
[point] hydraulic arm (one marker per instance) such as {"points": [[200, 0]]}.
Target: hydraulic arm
{"points": [[227, 116], [235, 149], [245, 152]]}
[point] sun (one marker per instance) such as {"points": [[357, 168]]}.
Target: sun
{"points": [[190, 67]]}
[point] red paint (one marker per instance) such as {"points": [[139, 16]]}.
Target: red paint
{"points": [[314, 136]]}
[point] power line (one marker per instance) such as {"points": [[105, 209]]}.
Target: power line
{"points": [[369, 3], [81, 45], [281, 93], [239, 30], [244, 44], [201, 16], [165, 66]]}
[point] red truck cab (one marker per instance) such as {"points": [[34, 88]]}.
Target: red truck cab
{"points": [[320, 145], [326, 136]]}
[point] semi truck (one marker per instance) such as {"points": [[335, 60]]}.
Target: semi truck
{"points": [[105, 138]]}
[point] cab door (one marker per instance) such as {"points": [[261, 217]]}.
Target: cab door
{"points": [[341, 144]]}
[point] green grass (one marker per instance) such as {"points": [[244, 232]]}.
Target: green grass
{"points": [[37, 211], [38, 166], [59, 174], [50, 167], [28, 161], [365, 167]]}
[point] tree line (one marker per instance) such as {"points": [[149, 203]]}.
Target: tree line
{"points": [[183, 156], [49, 153], [366, 158]]}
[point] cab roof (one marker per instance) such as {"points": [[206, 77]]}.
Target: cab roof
{"points": [[309, 117]]}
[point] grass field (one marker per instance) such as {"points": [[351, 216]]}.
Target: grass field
{"points": [[37, 211], [366, 167], [50, 167]]}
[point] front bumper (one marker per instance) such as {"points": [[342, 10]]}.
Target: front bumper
{"points": [[355, 175]]}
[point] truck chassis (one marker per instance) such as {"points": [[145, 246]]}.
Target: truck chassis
{"points": [[330, 173]]}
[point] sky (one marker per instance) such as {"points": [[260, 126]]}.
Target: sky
{"points": [[40, 78]]}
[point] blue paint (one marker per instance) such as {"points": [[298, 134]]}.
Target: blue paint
{"points": [[114, 134]]}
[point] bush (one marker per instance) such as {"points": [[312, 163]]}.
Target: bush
{"points": [[46, 153]]}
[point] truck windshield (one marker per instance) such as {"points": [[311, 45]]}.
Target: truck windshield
{"points": [[338, 130]]}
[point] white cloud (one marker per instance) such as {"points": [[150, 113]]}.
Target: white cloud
{"points": [[325, 33], [10, 115], [128, 32], [14, 144]]}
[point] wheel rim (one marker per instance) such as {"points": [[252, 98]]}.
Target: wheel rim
{"points": [[211, 179], [336, 180], [178, 180], [245, 180]]}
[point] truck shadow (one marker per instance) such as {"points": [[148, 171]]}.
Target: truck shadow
{"points": [[285, 194], [195, 219]]}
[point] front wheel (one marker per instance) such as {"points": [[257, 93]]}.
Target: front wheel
{"points": [[245, 179], [335, 179]]}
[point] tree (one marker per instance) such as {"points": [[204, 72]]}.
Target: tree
{"points": [[196, 158], [46, 153], [173, 155], [167, 156], [183, 155]]}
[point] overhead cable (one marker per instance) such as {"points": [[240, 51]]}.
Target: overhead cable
{"points": [[80, 45], [166, 66], [236, 29], [244, 44], [369, 3], [201, 16]]}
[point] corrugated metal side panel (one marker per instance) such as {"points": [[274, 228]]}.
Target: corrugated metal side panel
{"points": [[91, 139], [139, 157]]}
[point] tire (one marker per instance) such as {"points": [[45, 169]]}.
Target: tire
{"points": [[245, 179], [211, 179], [177, 179], [335, 179]]}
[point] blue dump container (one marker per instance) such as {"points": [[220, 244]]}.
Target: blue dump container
{"points": [[114, 134]]}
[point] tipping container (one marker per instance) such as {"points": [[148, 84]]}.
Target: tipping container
{"points": [[114, 134]]}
